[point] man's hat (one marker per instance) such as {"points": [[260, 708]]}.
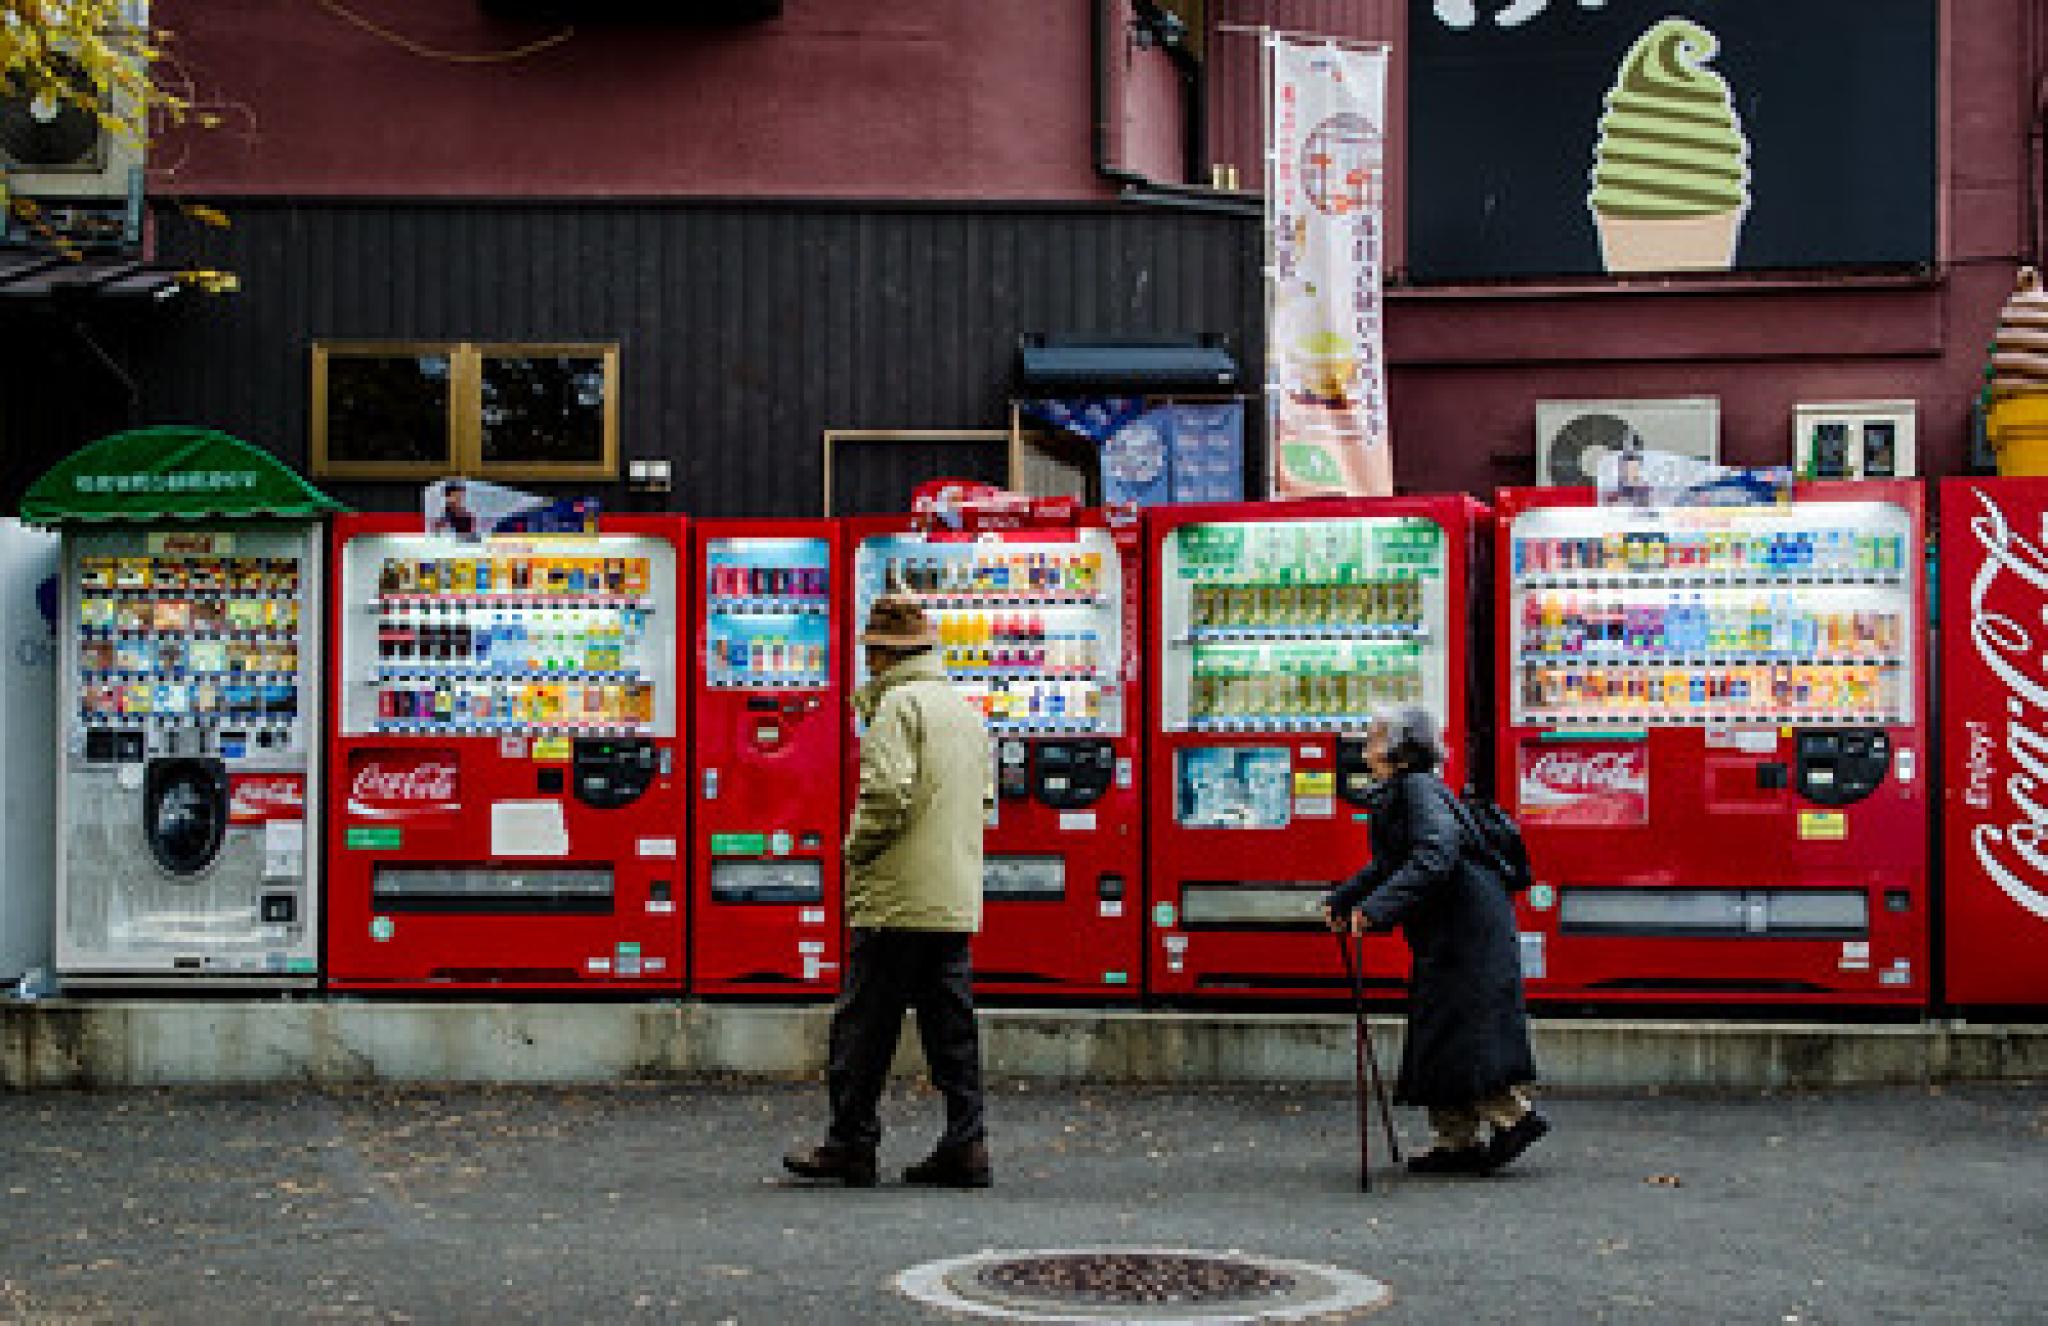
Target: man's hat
{"points": [[897, 622]]}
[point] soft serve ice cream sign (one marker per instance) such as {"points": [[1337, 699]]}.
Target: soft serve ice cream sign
{"points": [[1671, 171], [2007, 816]]}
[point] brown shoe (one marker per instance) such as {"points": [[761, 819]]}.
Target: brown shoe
{"points": [[955, 1167], [851, 1166]]}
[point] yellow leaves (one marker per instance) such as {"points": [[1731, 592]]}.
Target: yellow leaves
{"points": [[210, 281], [206, 216], [78, 53]]}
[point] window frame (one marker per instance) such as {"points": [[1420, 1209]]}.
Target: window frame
{"points": [[464, 440]]}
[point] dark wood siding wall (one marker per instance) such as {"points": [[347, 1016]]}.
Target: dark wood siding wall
{"points": [[746, 329]]}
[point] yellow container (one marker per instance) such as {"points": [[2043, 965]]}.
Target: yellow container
{"points": [[2017, 427]]}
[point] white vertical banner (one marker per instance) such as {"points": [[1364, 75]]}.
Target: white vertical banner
{"points": [[1326, 390]]}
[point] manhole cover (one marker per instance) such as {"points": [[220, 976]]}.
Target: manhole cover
{"points": [[1151, 1285], [1136, 1277]]}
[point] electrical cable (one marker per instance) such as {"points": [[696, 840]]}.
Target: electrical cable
{"points": [[425, 52]]}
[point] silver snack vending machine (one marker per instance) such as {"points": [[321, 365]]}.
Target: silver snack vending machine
{"points": [[189, 724]]}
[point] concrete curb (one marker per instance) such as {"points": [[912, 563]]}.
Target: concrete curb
{"points": [[138, 1043]]}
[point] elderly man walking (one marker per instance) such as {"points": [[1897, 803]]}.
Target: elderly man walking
{"points": [[913, 900]]}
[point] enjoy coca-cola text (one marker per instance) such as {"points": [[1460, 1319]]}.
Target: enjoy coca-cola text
{"points": [[2014, 855]]}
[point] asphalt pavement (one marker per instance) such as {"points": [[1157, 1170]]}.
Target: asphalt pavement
{"points": [[664, 1202]]}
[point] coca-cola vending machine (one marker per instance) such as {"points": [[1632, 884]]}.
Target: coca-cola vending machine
{"points": [[1037, 605], [1994, 715], [770, 716], [1276, 630], [1713, 732], [508, 762]]}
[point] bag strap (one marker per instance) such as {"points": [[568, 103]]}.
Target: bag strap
{"points": [[1484, 850]]}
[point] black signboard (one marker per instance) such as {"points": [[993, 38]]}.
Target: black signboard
{"points": [[1570, 137]]}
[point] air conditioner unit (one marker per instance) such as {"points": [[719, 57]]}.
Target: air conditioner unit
{"points": [[1572, 436], [1855, 439], [60, 157]]}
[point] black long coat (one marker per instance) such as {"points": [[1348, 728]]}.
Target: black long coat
{"points": [[1468, 1034]]}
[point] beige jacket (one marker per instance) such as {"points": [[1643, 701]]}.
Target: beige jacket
{"points": [[913, 850]]}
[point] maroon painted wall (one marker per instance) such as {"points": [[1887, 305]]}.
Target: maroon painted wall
{"points": [[1147, 102], [836, 98]]}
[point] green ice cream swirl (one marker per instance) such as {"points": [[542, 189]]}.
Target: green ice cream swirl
{"points": [[1670, 144]]}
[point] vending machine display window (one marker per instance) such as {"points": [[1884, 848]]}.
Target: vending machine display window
{"points": [[768, 609], [1300, 625], [1031, 630], [547, 635], [1713, 616]]}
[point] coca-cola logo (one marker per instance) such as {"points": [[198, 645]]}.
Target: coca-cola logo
{"points": [[397, 786], [1589, 771], [1585, 784], [255, 798], [2013, 855]]}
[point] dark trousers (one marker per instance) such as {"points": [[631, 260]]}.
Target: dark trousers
{"points": [[887, 972]]}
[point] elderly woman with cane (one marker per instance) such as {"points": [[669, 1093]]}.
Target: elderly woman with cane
{"points": [[1466, 1054]]}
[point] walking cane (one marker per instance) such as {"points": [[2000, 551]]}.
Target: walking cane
{"points": [[1366, 1064], [1372, 1059]]}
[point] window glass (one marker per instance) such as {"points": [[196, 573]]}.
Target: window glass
{"points": [[543, 409], [388, 409]]}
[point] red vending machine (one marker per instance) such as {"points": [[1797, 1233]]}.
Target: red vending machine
{"points": [[769, 714], [508, 791], [1037, 605], [1711, 728], [1276, 629], [1994, 716]]}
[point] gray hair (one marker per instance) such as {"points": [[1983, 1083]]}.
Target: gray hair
{"points": [[1413, 739]]}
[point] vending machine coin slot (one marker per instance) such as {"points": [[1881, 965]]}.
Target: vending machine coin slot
{"points": [[1354, 780], [612, 773], [1013, 773], [1071, 775], [1840, 768], [105, 746], [1110, 888], [279, 908]]}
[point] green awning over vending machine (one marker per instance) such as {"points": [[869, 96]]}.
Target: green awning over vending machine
{"points": [[171, 472]]}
